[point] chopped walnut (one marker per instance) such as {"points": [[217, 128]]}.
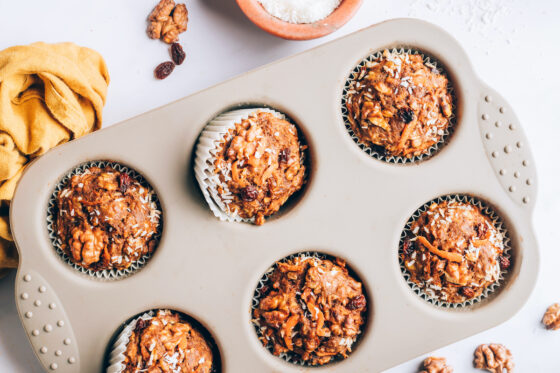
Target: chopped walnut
{"points": [[494, 358], [162, 11], [551, 318], [181, 17], [167, 21], [86, 244], [436, 365], [154, 30]]}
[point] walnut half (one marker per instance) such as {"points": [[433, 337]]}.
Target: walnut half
{"points": [[551, 318], [494, 358], [436, 365], [167, 21]]}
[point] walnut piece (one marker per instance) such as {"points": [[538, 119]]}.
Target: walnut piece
{"points": [[167, 21], [169, 32], [494, 358], [154, 29], [86, 244], [181, 17], [436, 365], [162, 11], [551, 318]]}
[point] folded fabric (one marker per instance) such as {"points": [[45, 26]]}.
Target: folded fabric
{"points": [[49, 94]]}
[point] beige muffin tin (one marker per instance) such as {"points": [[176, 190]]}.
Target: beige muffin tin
{"points": [[353, 206]]}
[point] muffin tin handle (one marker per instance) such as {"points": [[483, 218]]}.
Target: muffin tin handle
{"points": [[45, 323], [507, 147]]}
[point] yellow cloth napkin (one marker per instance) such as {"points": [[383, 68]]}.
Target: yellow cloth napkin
{"points": [[49, 94]]}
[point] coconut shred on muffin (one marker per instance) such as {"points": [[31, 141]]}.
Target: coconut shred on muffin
{"points": [[166, 343], [259, 164], [312, 308], [454, 252], [399, 105], [105, 219]]}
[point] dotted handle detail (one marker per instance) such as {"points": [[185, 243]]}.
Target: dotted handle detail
{"points": [[45, 323], [506, 147]]}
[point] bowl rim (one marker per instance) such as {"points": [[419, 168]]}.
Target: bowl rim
{"points": [[299, 31]]}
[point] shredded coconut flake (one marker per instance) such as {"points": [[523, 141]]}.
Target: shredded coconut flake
{"points": [[300, 11]]}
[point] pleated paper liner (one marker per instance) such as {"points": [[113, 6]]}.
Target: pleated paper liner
{"points": [[498, 224], [205, 172], [378, 152], [52, 212], [261, 290], [116, 355]]}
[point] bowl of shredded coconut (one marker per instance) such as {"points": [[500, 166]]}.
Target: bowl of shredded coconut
{"points": [[299, 19]]}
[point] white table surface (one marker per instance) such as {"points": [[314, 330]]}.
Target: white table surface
{"points": [[513, 45]]}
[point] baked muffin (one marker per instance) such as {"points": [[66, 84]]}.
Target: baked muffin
{"points": [[399, 105], [105, 219], [166, 343], [454, 252], [311, 308], [254, 165]]}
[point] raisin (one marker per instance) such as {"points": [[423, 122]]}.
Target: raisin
{"points": [[467, 291], [340, 262], [504, 262], [264, 289], [406, 115], [481, 230], [177, 53], [408, 247], [357, 303], [379, 149], [124, 182], [140, 325], [163, 70], [249, 194], [284, 155]]}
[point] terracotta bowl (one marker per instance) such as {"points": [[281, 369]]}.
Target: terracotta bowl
{"points": [[302, 31]]}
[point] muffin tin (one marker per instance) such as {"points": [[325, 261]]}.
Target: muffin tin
{"points": [[353, 206]]}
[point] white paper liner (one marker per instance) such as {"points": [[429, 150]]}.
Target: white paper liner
{"points": [[113, 274], [292, 357], [208, 142], [116, 356], [379, 153], [498, 224]]}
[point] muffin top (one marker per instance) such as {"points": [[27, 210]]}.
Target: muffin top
{"points": [[105, 219], [259, 164], [399, 105], [312, 308], [454, 252], [165, 343]]}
